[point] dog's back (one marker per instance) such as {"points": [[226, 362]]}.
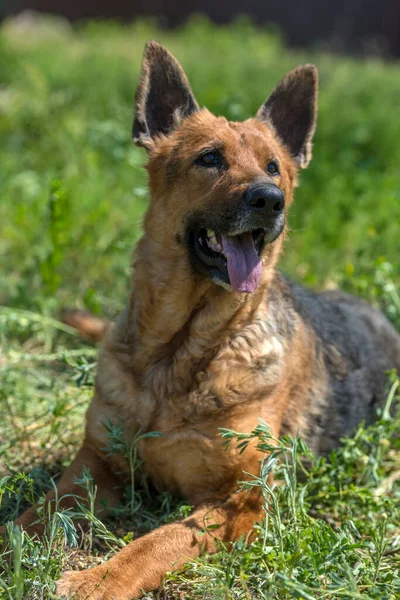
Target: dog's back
{"points": [[358, 346]]}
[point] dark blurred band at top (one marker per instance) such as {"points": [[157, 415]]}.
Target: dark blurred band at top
{"points": [[361, 26]]}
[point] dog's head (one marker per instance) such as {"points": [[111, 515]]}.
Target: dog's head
{"points": [[220, 189]]}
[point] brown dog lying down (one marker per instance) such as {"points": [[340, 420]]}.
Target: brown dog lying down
{"points": [[213, 335]]}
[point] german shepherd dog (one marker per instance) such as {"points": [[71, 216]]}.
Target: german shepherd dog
{"points": [[214, 336]]}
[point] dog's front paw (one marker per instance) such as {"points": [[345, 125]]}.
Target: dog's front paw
{"points": [[92, 584]]}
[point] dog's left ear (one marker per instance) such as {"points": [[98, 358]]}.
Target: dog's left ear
{"points": [[291, 109], [163, 96]]}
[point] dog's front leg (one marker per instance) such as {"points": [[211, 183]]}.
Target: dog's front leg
{"points": [[108, 487], [143, 564]]}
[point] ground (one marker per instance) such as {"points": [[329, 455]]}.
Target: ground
{"points": [[73, 193]]}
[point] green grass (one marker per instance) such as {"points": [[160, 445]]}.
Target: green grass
{"points": [[73, 194]]}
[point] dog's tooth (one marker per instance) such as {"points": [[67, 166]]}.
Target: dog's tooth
{"points": [[210, 233], [215, 245]]}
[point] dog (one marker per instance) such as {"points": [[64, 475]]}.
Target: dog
{"points": [[214, 336]]}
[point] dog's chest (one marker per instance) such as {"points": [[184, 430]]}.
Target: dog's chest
{"points": [[245, 367], [188, 405], [231, 392]]}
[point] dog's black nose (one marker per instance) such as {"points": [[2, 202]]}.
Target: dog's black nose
{"points": [[266, 198]]}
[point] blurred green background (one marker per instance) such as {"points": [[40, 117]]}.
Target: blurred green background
{"points": [[73, 187]]}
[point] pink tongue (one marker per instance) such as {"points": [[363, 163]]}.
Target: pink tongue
{"points": [[244, 266]]}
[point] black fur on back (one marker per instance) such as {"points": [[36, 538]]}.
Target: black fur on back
{"points": [[358, 347]]}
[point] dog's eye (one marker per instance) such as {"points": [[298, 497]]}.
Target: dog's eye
{"points": [[210, 159], [272, 168]]}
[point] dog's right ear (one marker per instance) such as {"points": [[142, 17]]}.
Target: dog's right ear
{"points": [[162, 97]]}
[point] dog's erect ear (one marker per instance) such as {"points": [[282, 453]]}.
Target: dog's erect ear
{"points": [[291, 109], [163, 95]]}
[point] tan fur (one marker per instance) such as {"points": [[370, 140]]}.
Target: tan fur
{"points": [[185, 360]]}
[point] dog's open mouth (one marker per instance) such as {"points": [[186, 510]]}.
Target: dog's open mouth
{"points": [[233, 259]]}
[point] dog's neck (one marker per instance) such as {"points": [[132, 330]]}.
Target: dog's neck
{"points": [[174, 313]]}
